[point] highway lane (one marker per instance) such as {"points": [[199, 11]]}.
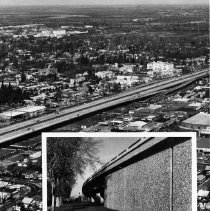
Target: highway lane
{"points": [[45, 121], [205, 185], [96, 102], [72, 109], [59, 119]]}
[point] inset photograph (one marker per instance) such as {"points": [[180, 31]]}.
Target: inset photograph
{"points": [[120, 171]]}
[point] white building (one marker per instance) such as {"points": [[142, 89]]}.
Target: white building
{"points": [[127, 80], [162, 68], [136, 126], [181, 100], [48, 71], [13, 114], [195, 105], [27, 201], [32, 110], [4, 196], [58, 33], [44, 33], [36, 155], [199, 122], [104, 74], [127, 68]]}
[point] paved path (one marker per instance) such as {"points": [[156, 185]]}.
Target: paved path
{"points": [[90, 208]]}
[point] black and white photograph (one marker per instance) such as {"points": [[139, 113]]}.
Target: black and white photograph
{"points": [[89, 66], [120, 172], [203, 173], [21, 175]]}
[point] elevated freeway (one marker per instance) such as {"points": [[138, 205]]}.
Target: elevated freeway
{"points": [[154, 173], [45, 122]]}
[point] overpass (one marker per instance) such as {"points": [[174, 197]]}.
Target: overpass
{"points": [[151, 174], [45, 122]]}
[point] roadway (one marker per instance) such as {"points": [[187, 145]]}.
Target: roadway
{"points": [[44, 122], [205, 185]]}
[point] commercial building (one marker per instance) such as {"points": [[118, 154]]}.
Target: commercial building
{"points": [[24, 112], [31, 111], [146, 111], [203, 144], [47, 71], [58, 33], [136, 126], [9, 115], [36, 155], [195, 106], [199, 122], [104, 74], [127, 80], [181, 100], [160, 68]]}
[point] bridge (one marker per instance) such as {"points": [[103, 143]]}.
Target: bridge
{"points": [[46, 122], [151, 174]]}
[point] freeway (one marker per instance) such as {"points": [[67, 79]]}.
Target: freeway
{"points": [[205, 185], [46, 121], [122, 160]]}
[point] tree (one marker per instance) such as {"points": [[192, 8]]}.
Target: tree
{"points": [[67, 158], [58, 96], [116, 87], [23, 77], [90, 89]]}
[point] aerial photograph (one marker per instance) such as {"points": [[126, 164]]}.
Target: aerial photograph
{"points": [[114, 66]]}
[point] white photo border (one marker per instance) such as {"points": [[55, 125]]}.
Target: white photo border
{"points": [[114, 134]]}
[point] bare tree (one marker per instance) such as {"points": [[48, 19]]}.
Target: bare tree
{"points": [[66, 159]]}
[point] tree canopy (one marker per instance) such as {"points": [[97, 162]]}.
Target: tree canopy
{"points": [[67, 158], [11, 95]]}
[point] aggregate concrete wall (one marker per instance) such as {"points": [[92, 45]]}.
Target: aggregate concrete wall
{"points": [[182, 180], [160, 182]]}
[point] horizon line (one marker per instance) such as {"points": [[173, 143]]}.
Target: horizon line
{"points": [[103, 4]]}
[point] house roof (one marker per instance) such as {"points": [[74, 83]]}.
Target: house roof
{"points": [[11, 113], [138, 124], [31, 108], [201, 177], [203, 143], [181, 100], [199, 119], [27, 200], [36, 155], [203, 193]]}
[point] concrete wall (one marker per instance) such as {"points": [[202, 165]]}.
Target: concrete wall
{"points": [[160, 182], [182, 177]]}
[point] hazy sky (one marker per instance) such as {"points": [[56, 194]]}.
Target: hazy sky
{"points": [[92, 2], [109, 148]]}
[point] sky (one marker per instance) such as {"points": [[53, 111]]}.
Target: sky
{"points": [[108, 149], [97, 2]]}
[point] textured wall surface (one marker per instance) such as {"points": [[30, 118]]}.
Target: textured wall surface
{"points": [[153, 183], [182, 179]]}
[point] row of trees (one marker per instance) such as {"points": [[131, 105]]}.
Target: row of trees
{"points": [[67, 158], [11, 96]]}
